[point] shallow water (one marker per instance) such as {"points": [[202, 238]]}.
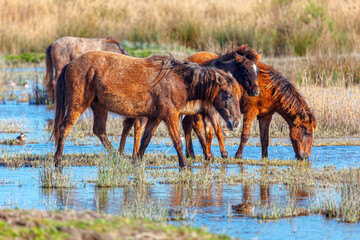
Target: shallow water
{"points": [[20, 187]]}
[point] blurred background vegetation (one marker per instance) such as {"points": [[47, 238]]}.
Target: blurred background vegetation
{"points": [[277, 27], [313, 43]]}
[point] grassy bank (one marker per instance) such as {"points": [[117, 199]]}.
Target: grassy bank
{"points": [[277, 27], [31, 224]]}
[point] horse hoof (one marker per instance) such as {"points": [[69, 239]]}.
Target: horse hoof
{"points": [[58, 169], [238, 156], [224, 155], [209, 158]]}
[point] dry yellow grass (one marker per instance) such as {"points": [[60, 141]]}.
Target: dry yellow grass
{"points": [[337, 109], [275, 26]]}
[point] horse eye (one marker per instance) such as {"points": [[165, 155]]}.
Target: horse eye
{"points": [[228, 97], [307, 134]]}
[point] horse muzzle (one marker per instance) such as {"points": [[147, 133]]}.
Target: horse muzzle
{"points": [[253, 91], [233, 125], [302, 156]]}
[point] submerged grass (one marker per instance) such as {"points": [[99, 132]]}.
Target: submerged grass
{"points": [[115, 170], [331, 191], [48, 178]]}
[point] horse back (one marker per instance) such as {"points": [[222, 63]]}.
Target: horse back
{"points": [[125, 85], [202, 58]]}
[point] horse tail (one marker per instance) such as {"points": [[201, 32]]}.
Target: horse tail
{"points": [[60, 104], [49, 73]]}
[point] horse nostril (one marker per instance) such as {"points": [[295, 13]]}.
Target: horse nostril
{"points": [[256, 91]]}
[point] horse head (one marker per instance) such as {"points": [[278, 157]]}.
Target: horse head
{"points": [[302, 135], [227, 101], [246, 72]]}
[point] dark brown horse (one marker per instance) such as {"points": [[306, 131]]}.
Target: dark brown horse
{"points": [[156, 87], [278, 95], [241, 62], [63, 50], [190, 108]]}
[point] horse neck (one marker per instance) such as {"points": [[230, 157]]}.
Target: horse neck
{"points": [[202, 89], [284, 103]]}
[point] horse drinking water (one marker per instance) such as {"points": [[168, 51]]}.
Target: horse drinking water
{"points": [[278, 95]]}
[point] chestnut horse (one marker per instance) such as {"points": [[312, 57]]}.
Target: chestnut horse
{"points": [[241, 62], [156, 87], [277, 95], [63, 50]]}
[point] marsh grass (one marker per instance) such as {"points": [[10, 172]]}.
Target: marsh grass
{"points": [[48, 178], [145, 209], [277, 27], [115, 170], [345, 204], [14, 126]]}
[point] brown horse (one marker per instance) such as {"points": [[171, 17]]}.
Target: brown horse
{"points": [[63, 50], [241, 62], [156, 87], [278, 95], [190, 108]]}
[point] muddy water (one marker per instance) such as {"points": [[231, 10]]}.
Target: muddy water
{"points": [[20, 188]]}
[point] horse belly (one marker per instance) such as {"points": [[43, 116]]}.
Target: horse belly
{"points": [[126, 104], [192, 107]]}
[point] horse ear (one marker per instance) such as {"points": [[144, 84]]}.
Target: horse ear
{"points": [[304, 116], [218, 78], [315, 125], [239, 58], [259, 53]]}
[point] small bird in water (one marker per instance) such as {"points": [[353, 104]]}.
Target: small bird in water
{"points": [[244, 208], [21, 138]]}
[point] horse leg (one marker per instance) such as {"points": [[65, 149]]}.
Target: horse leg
{"points": [[187, 124], [172, 121], [128, 123], [264, 124], [215, 121], [208, 136], [139, 128], [150, 128], [199, 128], [99, 128], [247, 124], [54, 80], [64, 129]]}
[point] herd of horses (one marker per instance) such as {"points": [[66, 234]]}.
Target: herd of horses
{"points": [[98, 73]]}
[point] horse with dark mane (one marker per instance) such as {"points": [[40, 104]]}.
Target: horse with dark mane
{"points": [[278, 95], [156, 87], [65, 49], [241, 62]]}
